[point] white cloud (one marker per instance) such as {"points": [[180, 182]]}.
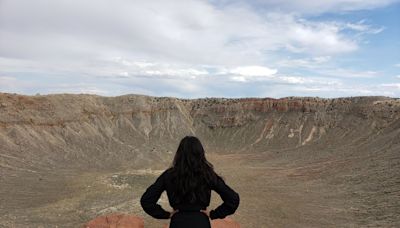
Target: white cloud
{"points": [[397, 65], [239, 78], [155, 69], [294, 80], [314, 62], [362, 27], [176, 72], [391, 85], [250, 71], [348, 73], [318, 38], [358, 26], [77, 88], [197, 33], [345, 90], [7, 82], [124, 74], [322, 66], [308, 81], [318, 7]]}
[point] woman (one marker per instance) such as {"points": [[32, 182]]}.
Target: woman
{"points": [[188, 183]]}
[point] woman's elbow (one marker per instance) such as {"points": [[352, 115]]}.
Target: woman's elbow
{"points": [[144, 202], [236, 201]]}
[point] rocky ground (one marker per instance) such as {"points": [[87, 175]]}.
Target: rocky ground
{"points": [[296, 162]]}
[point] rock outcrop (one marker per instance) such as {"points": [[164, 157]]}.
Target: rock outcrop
{"points": [[116, 221], [65, 131]]}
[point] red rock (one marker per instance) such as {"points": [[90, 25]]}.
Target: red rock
{"points": [[116, 221], [224, 223]]}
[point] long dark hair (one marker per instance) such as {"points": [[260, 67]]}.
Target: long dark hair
{"points": [[191, 172]]}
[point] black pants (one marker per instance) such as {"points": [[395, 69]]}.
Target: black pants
{"points": [[189, 219]]}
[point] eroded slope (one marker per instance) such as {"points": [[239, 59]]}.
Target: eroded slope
{"points": [[344, 150]]}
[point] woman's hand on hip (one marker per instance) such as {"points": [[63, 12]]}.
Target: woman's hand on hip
{"points": [[172, 213], [206, 212]]}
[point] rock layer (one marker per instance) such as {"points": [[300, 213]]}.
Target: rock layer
{"points": [[47, 131]]}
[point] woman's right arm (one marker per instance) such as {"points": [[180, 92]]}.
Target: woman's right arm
{"points": [[230, 200]]}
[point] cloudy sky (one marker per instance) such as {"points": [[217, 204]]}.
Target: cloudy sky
{"points": [[200, 48]]}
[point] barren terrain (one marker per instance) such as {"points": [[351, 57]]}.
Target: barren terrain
{"points": [[295, 161]]}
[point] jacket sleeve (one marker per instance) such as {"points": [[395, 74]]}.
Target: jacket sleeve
{"points": [[150, 197], [230, 200]]}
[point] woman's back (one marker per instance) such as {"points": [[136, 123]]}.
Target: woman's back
{"points": [[188, 183]]}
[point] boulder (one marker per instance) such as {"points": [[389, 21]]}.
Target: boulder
{"points": [[116, 221]]}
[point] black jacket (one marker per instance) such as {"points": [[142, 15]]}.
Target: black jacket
{"points": [[152, 194]]}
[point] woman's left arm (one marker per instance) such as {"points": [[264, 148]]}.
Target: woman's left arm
{"points": [[150, 197]]}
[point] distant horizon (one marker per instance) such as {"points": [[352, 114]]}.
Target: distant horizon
{"points": [[181, 98]]}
